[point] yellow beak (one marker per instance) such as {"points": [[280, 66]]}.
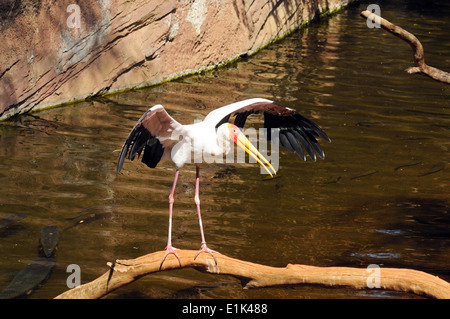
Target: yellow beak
{"points": [[245, 144]]}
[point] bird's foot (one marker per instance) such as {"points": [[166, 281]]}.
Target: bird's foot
{"points": [[170, 250], [205, 249]]}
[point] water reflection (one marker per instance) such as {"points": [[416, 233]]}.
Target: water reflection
{"points": [[380, 196]]}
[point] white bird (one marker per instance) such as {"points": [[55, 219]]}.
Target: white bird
{"points": [[161, 137]]}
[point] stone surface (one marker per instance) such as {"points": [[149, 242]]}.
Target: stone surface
{"points": [[55, 52]]}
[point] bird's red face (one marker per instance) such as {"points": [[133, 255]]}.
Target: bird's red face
{"points": [[234, 132], [242, 141]]}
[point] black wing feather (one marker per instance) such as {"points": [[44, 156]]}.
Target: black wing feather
{"points": [[152, 153], [240, 119], [296, 132], [296, 146], [304, 142], [140, 139], [284, 140]]}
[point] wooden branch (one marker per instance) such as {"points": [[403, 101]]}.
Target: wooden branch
{"points": [[418, 52], [123, 272]]}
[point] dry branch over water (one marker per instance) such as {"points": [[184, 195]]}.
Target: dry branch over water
{"points": [[418, 53], [123, 272]]}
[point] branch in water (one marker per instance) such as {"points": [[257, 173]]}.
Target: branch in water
{"points": [[123, 272], [418, 52]]}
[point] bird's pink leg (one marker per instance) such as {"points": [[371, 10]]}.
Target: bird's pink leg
{"points": [[203, 248], [169, 248]]}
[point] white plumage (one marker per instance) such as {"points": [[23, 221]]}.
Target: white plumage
{"points": [[160, 137]]}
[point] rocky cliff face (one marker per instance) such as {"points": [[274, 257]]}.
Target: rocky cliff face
{"points": [[55, 52]]}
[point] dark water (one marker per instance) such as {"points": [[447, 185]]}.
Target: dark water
{"points": [[381, 196]]}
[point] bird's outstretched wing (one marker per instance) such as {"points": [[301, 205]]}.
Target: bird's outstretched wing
{"points": [[155, 132], [295, 131]]}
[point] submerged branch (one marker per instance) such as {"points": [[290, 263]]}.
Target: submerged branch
{"points": [[123, 272], [418, 53]]}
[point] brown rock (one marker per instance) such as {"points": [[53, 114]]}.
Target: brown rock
{"points": [[57, 52]]}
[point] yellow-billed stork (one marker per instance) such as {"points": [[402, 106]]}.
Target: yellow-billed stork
{"points": [[161, 137]]}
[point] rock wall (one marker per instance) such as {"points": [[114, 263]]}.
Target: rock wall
{"points": [[55, 52]]}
